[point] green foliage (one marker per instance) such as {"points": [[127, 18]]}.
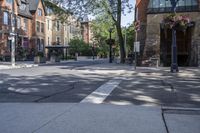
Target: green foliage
{"points": [[113, 8], [100, 29], [62, 13], [130, 35], [40, 54], [80, 47]]}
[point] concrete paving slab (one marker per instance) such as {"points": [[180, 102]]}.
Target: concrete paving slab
{"points": [[183, 123], [27, 117], [89, 118]]}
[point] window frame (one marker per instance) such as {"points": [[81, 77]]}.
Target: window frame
{"points": [[6, 18], [57, 25], [39, 12], [58, 40], [42, 27], [25, 25], [37, 26], [166, 9]]}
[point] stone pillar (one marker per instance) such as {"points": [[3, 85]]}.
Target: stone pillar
{"points": [[195, 53], [152, 44]]}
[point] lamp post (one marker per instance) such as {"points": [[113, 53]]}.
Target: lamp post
{"points": [[174, 64], [125, 40], [93, 50], [110, 44]]}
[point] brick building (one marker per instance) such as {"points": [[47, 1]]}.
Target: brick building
{"points": [[60, 31], [86, 30], [156, 43], [29, 28]]}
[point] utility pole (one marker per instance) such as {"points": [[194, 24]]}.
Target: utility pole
{"points": [[125, 42], [12, 36]]}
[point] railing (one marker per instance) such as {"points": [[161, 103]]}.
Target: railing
{"points": [[169, 9]]}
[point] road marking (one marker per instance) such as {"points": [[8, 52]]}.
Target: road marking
{"points": [[100, 94]]}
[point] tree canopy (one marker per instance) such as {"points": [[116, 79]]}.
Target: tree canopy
{"points": [[114, 8]]}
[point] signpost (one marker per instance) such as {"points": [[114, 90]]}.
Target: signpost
{"points": [[136, 50], [12, 36]]}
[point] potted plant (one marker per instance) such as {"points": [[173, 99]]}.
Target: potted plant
{"points": [[39, 58]]}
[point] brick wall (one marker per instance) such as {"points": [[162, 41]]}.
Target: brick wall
{"points": [[141, 8]]}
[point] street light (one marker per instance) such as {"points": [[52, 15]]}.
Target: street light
{"points": [[110, 44], [174, 64], [93, 50]]}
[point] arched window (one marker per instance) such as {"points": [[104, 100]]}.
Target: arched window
{"points": [[157, 6]]}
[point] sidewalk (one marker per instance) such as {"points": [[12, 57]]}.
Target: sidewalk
{"points": [[90, 118], [7, 65], [26, 64]]}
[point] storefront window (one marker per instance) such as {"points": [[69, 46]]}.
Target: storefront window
{"points": [[156, 6]]}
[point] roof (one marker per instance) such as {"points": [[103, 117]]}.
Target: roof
{"points": [[26, 13], [33, 5]]}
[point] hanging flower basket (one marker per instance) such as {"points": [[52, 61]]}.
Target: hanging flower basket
{"points": [[177, 22]]}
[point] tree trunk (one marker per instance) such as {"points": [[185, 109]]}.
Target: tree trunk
{"points": [[121, 44], [119, 32]]}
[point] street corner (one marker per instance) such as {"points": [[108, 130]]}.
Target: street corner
{"points": [[181, 120]]}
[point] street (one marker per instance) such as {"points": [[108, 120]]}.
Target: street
{"points": [[72, 82], [78, 96]]}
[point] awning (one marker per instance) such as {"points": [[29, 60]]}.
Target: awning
{"points": [[56, 47]]}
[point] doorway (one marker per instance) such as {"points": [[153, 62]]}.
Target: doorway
{"points": [[183, 41]]}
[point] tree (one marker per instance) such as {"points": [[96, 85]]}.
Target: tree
{"points": [[130, 31], [80, 47], [99, 27], [114, 8]]}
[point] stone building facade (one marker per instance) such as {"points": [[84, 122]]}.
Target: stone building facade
{"points": [[156, 43], [60, 31], [87, 31], [29, 28]]}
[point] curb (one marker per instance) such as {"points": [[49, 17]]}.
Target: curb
{"points": [[19, 66], [180, 108]]}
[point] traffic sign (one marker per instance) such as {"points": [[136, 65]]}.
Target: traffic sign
{"points": [[10, 38], [136, 46]]}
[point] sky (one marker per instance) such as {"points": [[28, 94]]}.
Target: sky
{"points": [[128, 18]]}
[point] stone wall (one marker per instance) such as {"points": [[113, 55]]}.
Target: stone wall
{"points": [[152, 44]]}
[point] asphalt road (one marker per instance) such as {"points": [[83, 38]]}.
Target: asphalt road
{"points": [[73, 81], [64, 82]]}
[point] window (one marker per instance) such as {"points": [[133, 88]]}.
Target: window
{"points": [[18, 22], [156, 6], [38, 26], [49, 10], [25, 25], [42, 45], [39, 12], [9, 1], [48, 41], [5, 18], [58, 40], [42, 27], [38, 44], [48, 24], [58, 25]]}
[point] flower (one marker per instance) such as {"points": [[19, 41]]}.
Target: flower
{"points": [[176, 21]]}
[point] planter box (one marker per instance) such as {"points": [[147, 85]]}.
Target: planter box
{"points": [[38, 60], [54, 59]]}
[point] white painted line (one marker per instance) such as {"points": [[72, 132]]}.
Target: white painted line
{"points": [[100, 94]]}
